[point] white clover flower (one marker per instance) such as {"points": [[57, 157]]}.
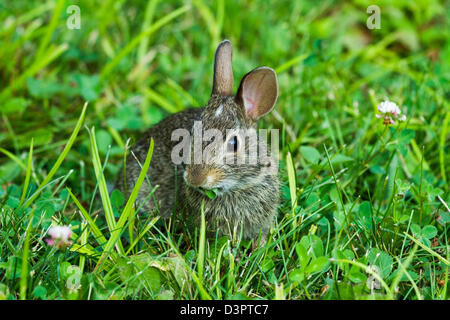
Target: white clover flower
{"points": [[390, 112], [389, 107], [59, 236]]}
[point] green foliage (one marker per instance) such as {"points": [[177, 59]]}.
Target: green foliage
{"points": [[137, 273], [361, 203]]}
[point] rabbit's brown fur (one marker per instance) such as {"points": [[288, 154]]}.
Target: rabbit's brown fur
{"points": [[249, 195]]}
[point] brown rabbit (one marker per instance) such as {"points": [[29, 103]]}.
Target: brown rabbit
{"points": [[247, 190]]}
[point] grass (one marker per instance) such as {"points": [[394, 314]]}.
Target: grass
{"points": [[364, 207]]}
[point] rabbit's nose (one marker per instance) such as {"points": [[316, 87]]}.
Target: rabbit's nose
{"points": [[201, 176], [196, 175]]}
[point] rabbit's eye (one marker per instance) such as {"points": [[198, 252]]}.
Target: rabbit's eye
{"points": [[233, 144]]}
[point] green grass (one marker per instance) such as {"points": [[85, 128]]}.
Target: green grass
{"points": [[361, 202]]}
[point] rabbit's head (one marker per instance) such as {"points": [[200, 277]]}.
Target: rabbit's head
{"points": [[227, 154]]}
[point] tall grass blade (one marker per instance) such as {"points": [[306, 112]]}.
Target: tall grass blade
{"points": [[61, 157], [442, 146], [27, 175], [148, 19], [115, 234], [38, 65], [25, 254], [50, 29], [201, 244], [99, 237], [133, 43], [103, 188]]}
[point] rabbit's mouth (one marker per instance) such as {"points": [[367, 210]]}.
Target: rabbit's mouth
{"points": [[211, 193], [205, 182]]}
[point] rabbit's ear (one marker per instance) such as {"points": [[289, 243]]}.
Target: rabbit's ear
{"points": [[223, 71], [258, 92]]}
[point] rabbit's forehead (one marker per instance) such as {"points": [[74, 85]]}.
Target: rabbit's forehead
{"points": [[223, 113]]}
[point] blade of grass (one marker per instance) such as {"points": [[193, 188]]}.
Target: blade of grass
{"points": [[231, 280], [201, 244], [341, 200], [217, 270], [50, 29], [115, 234], [188, 99], [442, 146], [161, 101], [83, 242], [148, 19], [292, 180], [83, 180], [369, 271], [143, 232], [28, 16], [419, 155], [13, 158], [116, 136], [25, 254], [63, 181], [83, 249], [38, 65], [279, 292], [292, 62], [424, 247], [104, 194], [27, 175], [133, 43], [61, 157], [220, 16], [99, 237], [131, 225], [210, 21], [203, 293], [403, 270]]}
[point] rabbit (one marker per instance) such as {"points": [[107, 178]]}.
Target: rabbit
{"points": [[247, 195]]}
